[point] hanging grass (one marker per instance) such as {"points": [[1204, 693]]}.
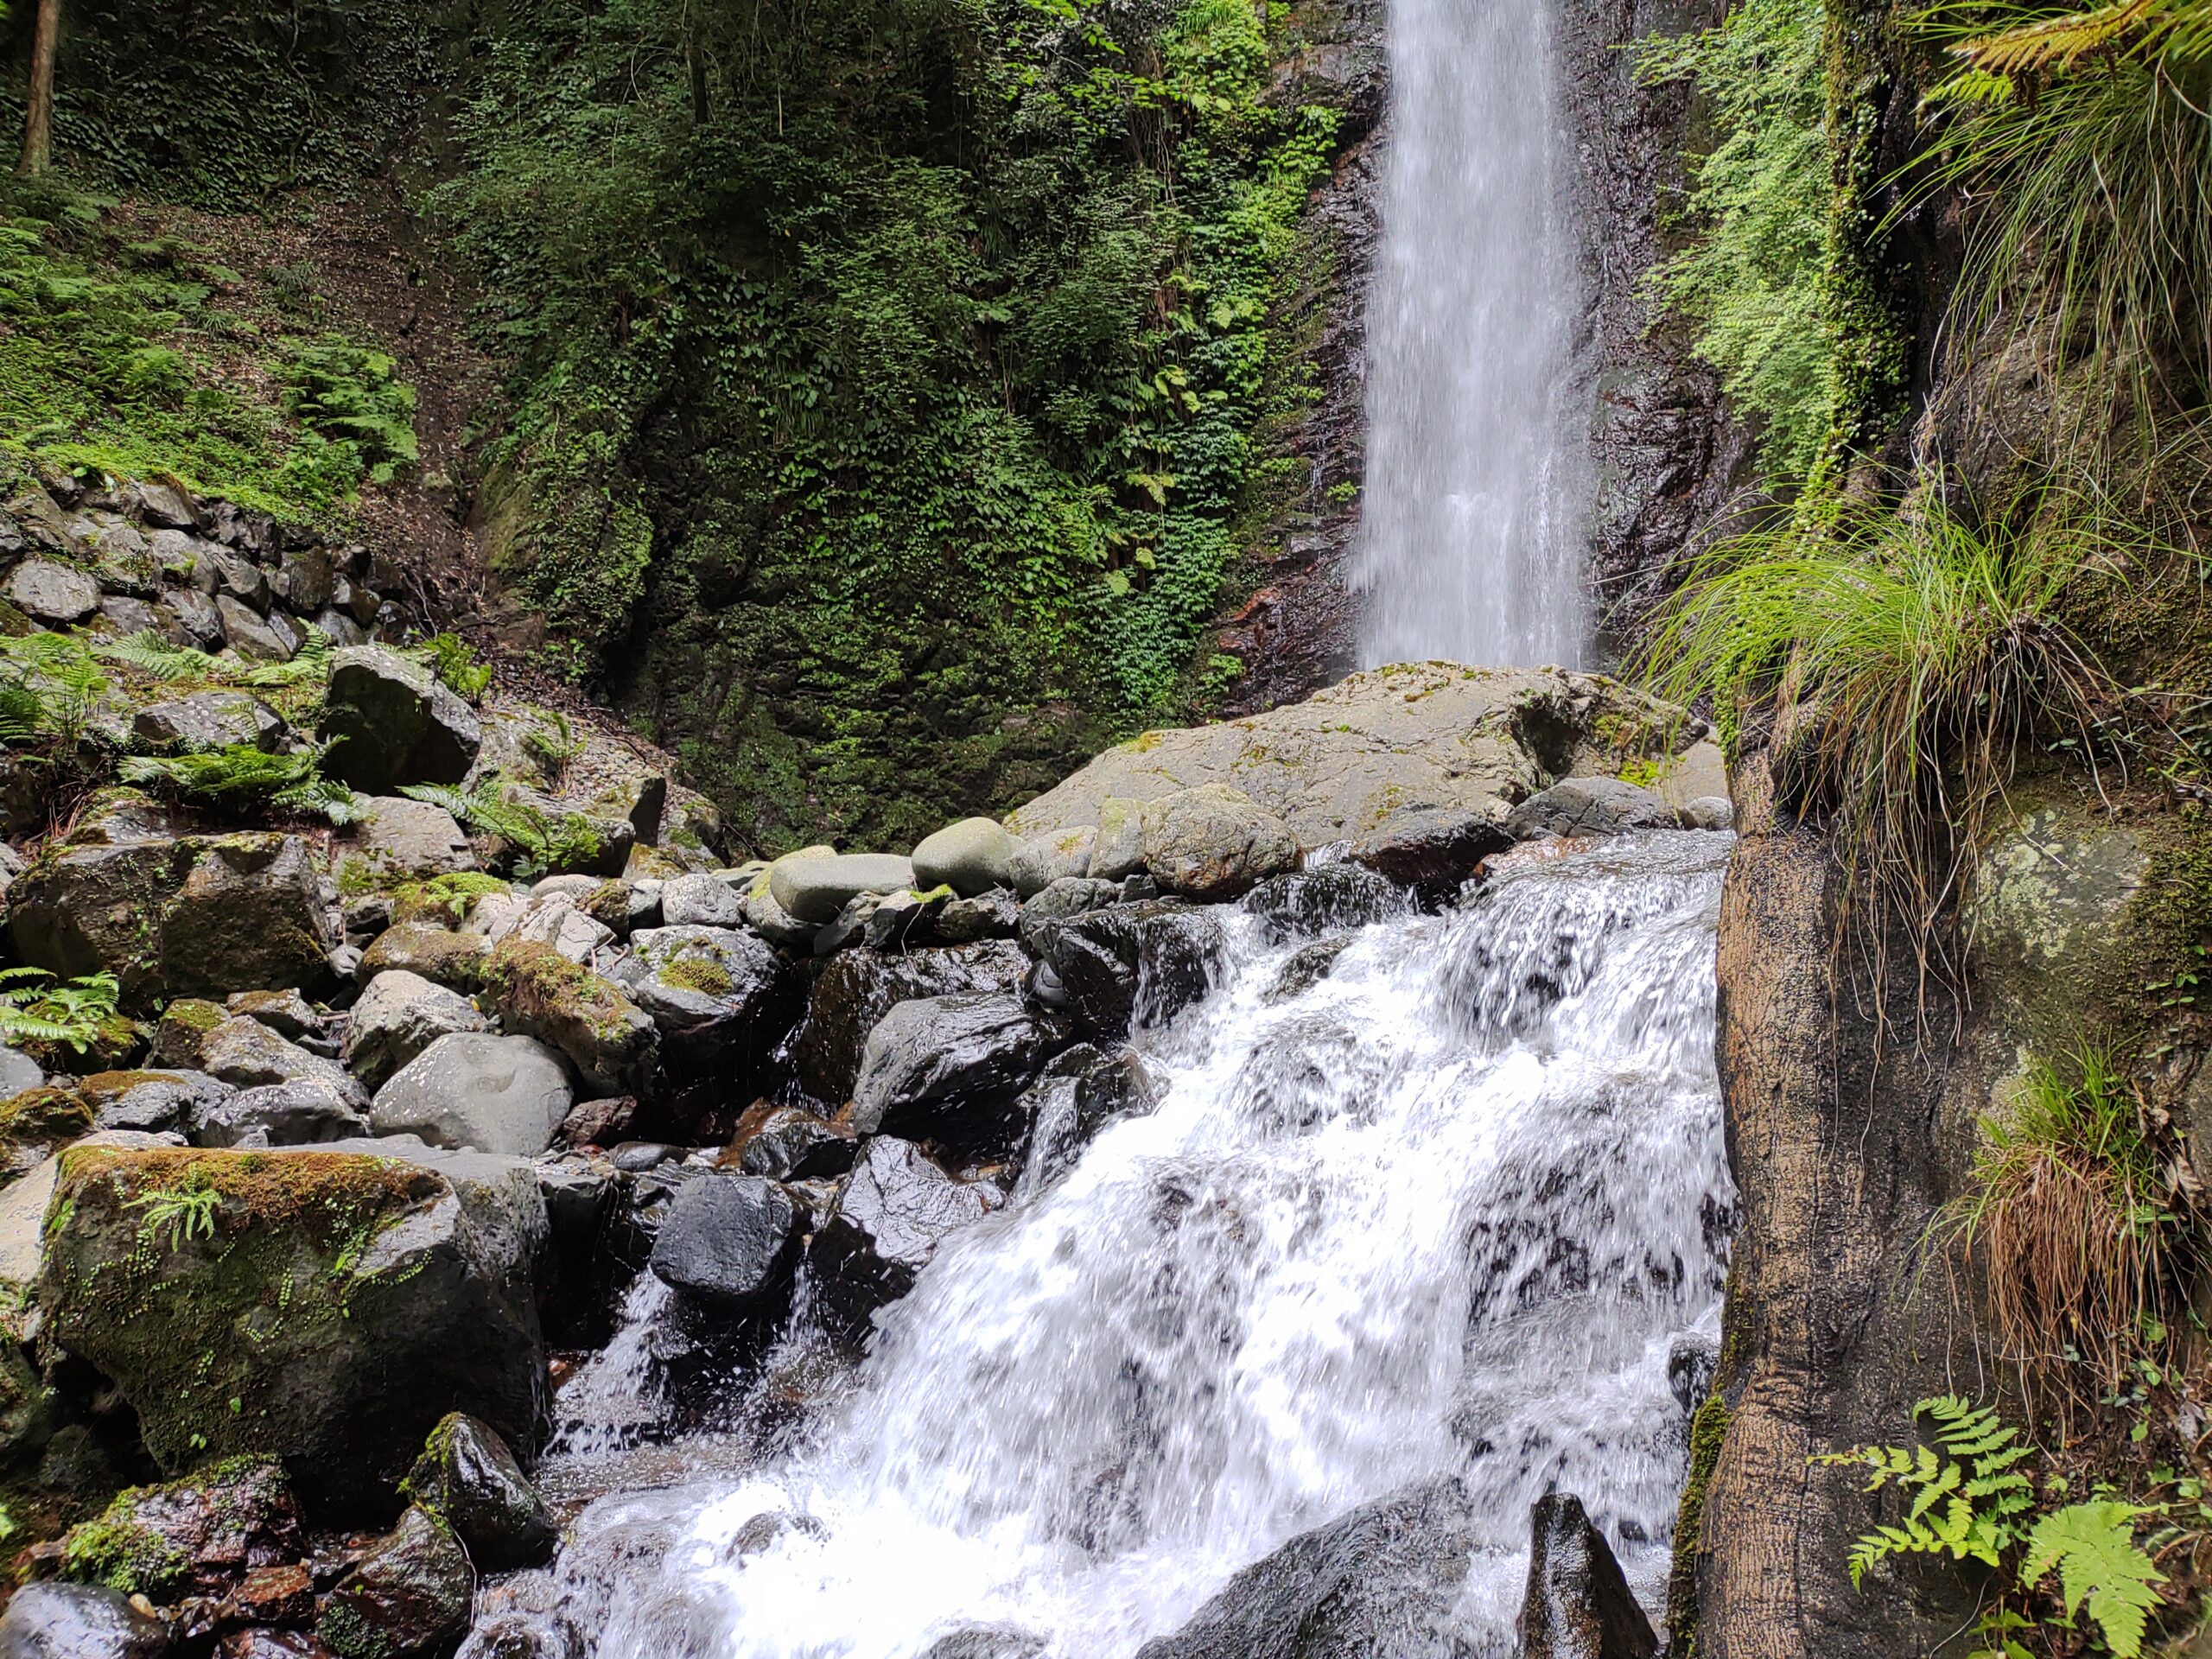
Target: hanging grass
{"points": [[2073, 1230], [1903, 661]]}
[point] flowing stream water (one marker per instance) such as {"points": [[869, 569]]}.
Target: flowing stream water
{"points": [[1458, 1206], [1474, 515]]}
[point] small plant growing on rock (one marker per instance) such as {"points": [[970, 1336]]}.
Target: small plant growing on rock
{"points": [[49, 685], [188, 1212], [453, 661], [543, 842], [555, 746], [161, 659], [291, 783], [35, 1007]]}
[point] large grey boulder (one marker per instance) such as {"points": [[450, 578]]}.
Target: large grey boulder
{"points": [[700, 901], [719, 997], [335, 1304], [246, 1054], [1430, 848], [859, 987], [153, 1101], [1382, 1582], [729, 1240], [402, 839], [944, 1068], [815, 889], [399, 1015], [896, 1209], [971, 856], [1420, 734], [504, 1095], [400, 725], [1578, 1605], [194, 617], [1589, 806], [54, 594], [182, 917], [210, 720], [265, 639], [1050, 857], [78, 1621], [1212, 842]]}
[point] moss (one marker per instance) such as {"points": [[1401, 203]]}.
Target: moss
{"points": [[699, 974], [194, 1015], [349, 1635], [444, 901], [1708, 1428], [44, 1115], [116, 1551]]}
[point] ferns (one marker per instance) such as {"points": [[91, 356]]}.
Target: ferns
{"points": [[452, 662], [1974, 1503], [352, 395], [50, 686], [35, 1007], [150, 654], [188, 1213], [1977, 1482], [547, 841], [554, 747], [239, 771]]}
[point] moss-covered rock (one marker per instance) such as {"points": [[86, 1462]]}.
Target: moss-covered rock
{"points": [[324, 1308], [410, 1594], [468, 1479], [193, 1536], [540, 993], [438, 954], [36, 1122]]}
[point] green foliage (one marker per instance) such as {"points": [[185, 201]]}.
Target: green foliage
{"points": [[239, 772], [151, 654], [544, 842], [50, 686], [187, 1212], [1751, 281], [1975, 1502], [111, 362], [907, 389], [454, 894], [453, 661], [1968, 1503], [2090, 134], [351, 394], [2093, 1547], [555, 746], [1911, 656], [36, 1007]]}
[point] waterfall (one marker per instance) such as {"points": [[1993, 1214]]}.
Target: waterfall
{"points": [[1456, 1207], [1473, 519]]}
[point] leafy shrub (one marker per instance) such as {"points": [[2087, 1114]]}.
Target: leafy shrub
{"points": [[1975, 1503], [1751, 281], [2068, 1220], [542, 842], [241, 773], [36, 1007], [1906, 658], [351, 394], [453, 661]]}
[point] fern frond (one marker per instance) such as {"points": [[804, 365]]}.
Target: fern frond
{"points": [[2093, 1547], [150, 654]]}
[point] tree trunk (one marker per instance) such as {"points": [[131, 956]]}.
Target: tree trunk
{"points": [[38, 120]]}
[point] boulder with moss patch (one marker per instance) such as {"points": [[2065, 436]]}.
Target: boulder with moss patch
{"points": [[409, 1593], [468, 1478], [439, 954], [717, 995], [194, 1536], [324, 1308], [541, 993]]}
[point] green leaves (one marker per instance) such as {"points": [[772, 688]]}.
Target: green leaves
{"points": [[239, 771], [2093, 1547], [36, 1007], [544, 842], [1965, 1505]]}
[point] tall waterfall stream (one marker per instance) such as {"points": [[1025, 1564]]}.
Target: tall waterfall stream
{"points": [[1458, 1206]]}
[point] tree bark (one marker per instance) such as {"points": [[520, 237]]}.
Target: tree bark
{"points": [[38, 119]]}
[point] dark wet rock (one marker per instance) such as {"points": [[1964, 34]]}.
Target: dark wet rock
{"points": [[299, 1114], [604, 1123], [987, 1642], [986, 916], [399, 1015], [790, 1143], [636, 1155], [152, 1101], [1431, 849], [1133, 964], [503, 1095], [1589, 806], [722, 999], [210, 720], [896, 1209], [176, 918], [1079, 1093], [1578, 1605], [1325, 900], [271, 639], [851, 926], [399, 724], [943, 1068], [729, 1240], [76, 1621], [858, 988], [194, 616], [1379, 1583], [905, 919], [1071, 895], [468, 1476], [410, 1594], [194, 1536], [1307, 968]]}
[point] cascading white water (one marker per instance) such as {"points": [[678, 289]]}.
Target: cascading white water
{"points": [[1474, 515], [1451, 1208]]}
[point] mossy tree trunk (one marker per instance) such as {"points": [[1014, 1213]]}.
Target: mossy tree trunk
{"points": [[38, 119]]}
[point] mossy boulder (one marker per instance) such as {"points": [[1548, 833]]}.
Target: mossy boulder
{"points": [[455, 960], [36, 1122], [194, 1536], [324, 1308], [468, 1478], [542, 993], [721, 997], [410, 1594], [189, 916]]}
